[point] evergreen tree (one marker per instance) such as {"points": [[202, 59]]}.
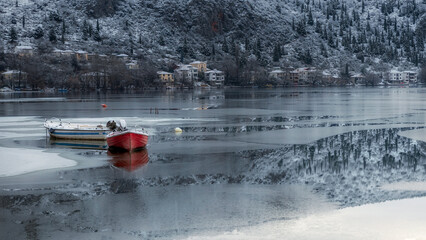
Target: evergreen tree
{"points": [[97, 36], [85, 30], [140, 39], [38, 33], [318, 27], [98, 29], [183, 50], [225, 46], [276, 53], [131, 43], [213, 50], [161, 41], [90, 29], [310, 18], [13, 35], [23, 21], [247, 44], [52, 35], [301, 30], [259, 45], [63, 32], [363, 6]]}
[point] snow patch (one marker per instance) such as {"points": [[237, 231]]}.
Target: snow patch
{"points": [[20, 161], [399, 220]]}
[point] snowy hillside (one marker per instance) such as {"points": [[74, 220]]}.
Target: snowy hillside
{"points": [[366, 34]]}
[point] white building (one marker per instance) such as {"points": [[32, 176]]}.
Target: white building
{"points": [[186, 74], [277, 74], [307, 75], [395, 76], [24, 50], [215, 78], [132, 65], [410, 76], [402, 76]]}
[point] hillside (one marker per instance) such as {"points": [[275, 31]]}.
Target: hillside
{"points": [[368, 35]]}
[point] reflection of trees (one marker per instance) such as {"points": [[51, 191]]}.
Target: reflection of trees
{"points": [[349, 168]]}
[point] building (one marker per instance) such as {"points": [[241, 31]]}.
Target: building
{"points": [[358, 78], [278, 74], [82, 55], [123, 57], [166, 78], [133, 65], [308, 75], [186, 74], [293, 77], [215, 78], [409, 76], [24, 51], [201, 66], [395, 76], [14, 79], [329, 79], [62, 53]]}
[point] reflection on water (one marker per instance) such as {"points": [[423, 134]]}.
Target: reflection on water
{"points": [[78, 144], [129, 161]]}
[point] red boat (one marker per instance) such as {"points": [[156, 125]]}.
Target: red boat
{"points": [[129, 161], [127, 140]]}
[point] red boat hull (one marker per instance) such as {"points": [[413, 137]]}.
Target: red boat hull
{"points": [[127, 141]]}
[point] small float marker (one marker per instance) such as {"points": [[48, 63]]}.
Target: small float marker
{"points": [[104, 105], [178, 130]]}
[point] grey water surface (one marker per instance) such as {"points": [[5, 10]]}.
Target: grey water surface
{"points": [[194, 181]]}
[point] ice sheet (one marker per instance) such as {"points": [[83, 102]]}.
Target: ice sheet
{"points": [[405, 186], [20, 161], [393, 220], [416, 134]]}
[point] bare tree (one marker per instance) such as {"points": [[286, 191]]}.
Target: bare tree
{"points": [[372, 79]]}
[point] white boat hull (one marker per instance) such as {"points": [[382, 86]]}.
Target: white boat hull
{"points": [[78, 134], [62, 130]]}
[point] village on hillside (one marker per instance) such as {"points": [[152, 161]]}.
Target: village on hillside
{"points": [[90, 71]]}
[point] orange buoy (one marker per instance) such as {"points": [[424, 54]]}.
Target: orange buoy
{"points": [[104, 105]]}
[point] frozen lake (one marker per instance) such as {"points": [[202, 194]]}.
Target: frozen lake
{"points": [[219, 175]]}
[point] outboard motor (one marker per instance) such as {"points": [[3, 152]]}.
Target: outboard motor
{"points": [[112, 125], [123, 125]]}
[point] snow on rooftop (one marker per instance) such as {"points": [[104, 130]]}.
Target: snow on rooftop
{"points": [[12, 72], [163, 72], [24, 48], [214, 71]]}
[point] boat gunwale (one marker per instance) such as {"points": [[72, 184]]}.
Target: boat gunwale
{"points": [[118, 133]]}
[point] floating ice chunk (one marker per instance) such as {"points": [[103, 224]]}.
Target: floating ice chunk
{"points": [[20, 161]]}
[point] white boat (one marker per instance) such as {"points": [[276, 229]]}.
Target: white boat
{"points": [[66, 130]]}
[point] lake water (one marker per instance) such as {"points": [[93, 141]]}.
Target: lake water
{"points": [[198, 183]]}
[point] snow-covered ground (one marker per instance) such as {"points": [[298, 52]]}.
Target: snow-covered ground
{"points": [[417, 134], [19, 161], [392, 220]]}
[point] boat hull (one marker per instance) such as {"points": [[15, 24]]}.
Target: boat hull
{"points": [[78, 144], [127, 141], [76, 134]]}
